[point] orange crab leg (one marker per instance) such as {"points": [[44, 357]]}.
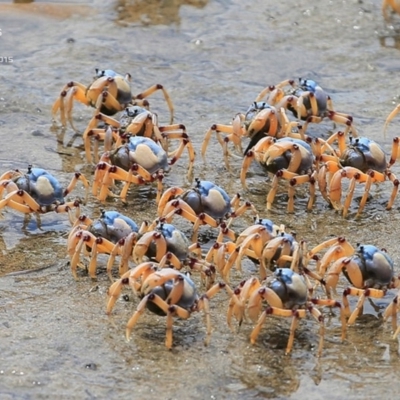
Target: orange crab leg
{"points": [[15, 199], [148, 92], [352, 269], [335, 189], [166, 197], [143, 244], [392, 177], [363, 294]]}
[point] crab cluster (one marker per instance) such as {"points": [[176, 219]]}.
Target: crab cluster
{"points": [[284, 150], [156, 259]]}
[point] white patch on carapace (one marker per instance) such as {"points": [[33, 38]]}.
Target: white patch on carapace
{"points": [[216, 200], [121, 226], [44, 187], [299, 286], [377, 153], [145, 157]]}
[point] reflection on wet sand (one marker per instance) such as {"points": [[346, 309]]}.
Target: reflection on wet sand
{"points": [[390, 41], [54, 10], [153, 12]]}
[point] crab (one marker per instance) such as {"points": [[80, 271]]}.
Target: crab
{"points": [[110, 234], [286, 158], [109, 93], [370, 273], [261, 119], [169, 246], [307, 101], [37, 191], [226, 254], [287, 295], [266, 244], [392, 5], [139, 161], [364, 161], [166, 292], [136, 121], [205, 203]]}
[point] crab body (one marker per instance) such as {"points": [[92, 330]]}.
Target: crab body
{"points": [[113, 226], [139, 161], [288, 158], [142, 151], [290, 287], [321, 97], [121, 91], [187, 300], [42, 186], [375, 265], [207, 197], [166, 292], [205, 203], [364, 154], [273, 164], [286, 294], [176, 242], [39, 191], [370, 273]]}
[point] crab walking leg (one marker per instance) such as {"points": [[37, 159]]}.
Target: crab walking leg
{"points": [[295, 314], [391, 311], [392, 177], [375, 293], [152, 89], [17, 198], [293, 326], [255, 153], [128, 278], [119, 248], [238, 300], [349, 196], [320, 320], [337, 304], [78, 177], [185, 143], [294, 180], [88, 239], [335, 187], [78, 90], [233, 133], [373, 177], [332, 278], [166, 198], [140, 309], [143, 244], [390, 117]]}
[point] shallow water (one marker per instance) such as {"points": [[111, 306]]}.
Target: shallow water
{"points": [[213, 57]]}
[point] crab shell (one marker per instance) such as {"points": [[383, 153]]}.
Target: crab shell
{"points": [[177, 242], [123, 94], [364, 154], [282, 161], [308, 85], [187, 300], [290, 287], [140, 150], [113, 226], [375, 265], [208, 198], [42, 186]]}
